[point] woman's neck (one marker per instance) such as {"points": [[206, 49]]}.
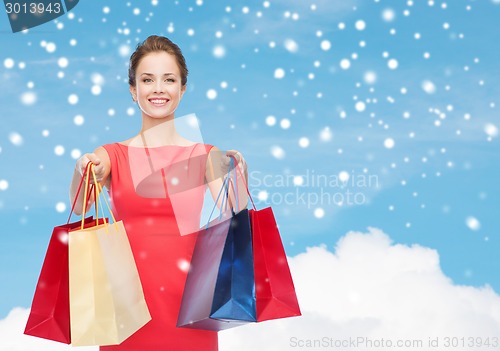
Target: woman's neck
{"points": [[160, 132]]}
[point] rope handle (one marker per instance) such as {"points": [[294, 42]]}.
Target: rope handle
{"points": [[246, 184], [78, 193], [97, 196], [225, 186], [87, 194]]}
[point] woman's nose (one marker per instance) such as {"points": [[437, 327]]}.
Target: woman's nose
{"points": [[159, 87]]}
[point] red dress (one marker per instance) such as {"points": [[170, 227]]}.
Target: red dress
{"points": [[162, 255]]}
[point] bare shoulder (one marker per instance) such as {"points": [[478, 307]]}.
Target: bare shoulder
{"points": [[214, 149], [214, 154], [127, 142]]}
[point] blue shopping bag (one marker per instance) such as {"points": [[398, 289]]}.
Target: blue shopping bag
{"points": [[220, 287], [220, 290]]}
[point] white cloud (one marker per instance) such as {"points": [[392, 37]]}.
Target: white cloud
{"points": [[369, 288], [13, 339]]}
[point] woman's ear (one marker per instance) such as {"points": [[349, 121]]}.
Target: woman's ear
{"points": [[183, 90], [133, 92]]}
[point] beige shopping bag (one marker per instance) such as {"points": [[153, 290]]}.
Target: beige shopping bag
{"points": [[107, 302]]}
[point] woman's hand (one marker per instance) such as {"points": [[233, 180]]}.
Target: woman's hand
{"points": [[101, 162], [217, 170], [238, 159], [99, 170]]}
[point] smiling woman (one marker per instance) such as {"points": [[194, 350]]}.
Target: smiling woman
{"points": [[142, 176], [158, 94]]}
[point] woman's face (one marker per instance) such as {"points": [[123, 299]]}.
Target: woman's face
{"points": [[158, 89]]}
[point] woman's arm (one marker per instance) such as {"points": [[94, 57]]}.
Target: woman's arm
{"points": [[216, 171], [102, 168]]}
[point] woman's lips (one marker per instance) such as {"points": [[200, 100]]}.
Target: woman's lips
{"points": [[159, 102]]}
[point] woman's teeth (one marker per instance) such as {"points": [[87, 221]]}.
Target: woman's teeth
{"points": [[159, 101]]}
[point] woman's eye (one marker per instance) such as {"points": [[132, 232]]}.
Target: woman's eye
{"points": [[170, 80], [147, 80]]}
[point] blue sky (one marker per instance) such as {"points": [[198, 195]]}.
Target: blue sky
{"points": [[401, 93]]}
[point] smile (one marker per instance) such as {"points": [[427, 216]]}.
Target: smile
{"points": [[159, 102]]}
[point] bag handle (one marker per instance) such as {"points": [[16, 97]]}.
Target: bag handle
{"points": [[98, 196], [90, 171], [246, 184], [225, 186], [78, 193], [225, 199], [235, 183], [88, 193]]}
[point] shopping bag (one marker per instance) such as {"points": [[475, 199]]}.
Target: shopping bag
{"points": [[274, 288], [49, 315], [220, 292], [107, 302]]}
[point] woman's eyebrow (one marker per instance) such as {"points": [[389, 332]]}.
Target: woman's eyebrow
{"points": [[151, 74]]}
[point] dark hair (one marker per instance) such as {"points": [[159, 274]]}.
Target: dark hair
{"points": [[155, 43]]}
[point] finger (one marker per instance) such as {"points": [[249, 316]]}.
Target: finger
{"points": [[99, 170], [81, 164], [236, 156], [225, 161], [94, 159]]}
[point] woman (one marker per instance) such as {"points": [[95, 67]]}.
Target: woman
{"points": [[138, 175]]}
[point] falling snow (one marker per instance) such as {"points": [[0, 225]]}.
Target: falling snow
{"points": [[360, 106], [388, 15], [63, 62], [60, 207], [263, 195], [279, 73], [304, 142], [428, 87], [78, 120], [319, 213], [491, 130], [73, 99], [211, 94], [270, 120], [393, 64], [370, 77], [28, 98], [8, 63], [473, 223], [4, 185], [277, 152], [360, 25], [345, 64], [326, 45], [389, 143], [291, 45], [219, 51], [16, 139], [325, 134], [59, 150], [285, 123], [292, 77]]}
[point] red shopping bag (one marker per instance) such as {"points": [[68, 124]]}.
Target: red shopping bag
{"points": [[49, 316], [274, 289]]}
